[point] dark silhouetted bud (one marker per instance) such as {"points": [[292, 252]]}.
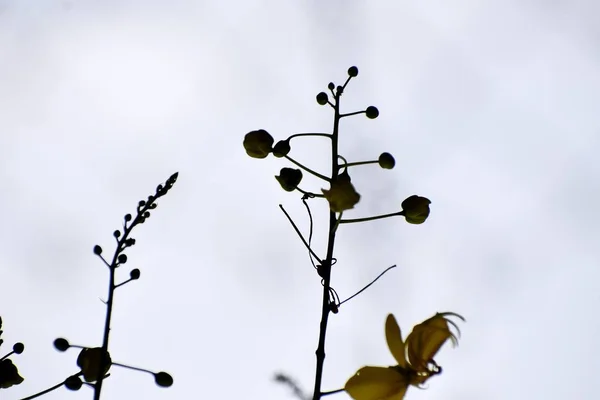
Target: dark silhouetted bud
{"points": [[331, 86], [353, 71], [134, 274], [73, 383], [415, 209], [128, 217], [322, 98], [18, 347], [386, 160], [61, 344], [372, 112], [163, 379], [281, 148], [97, 250], [289, 178], [122, 259], [258, 144]]}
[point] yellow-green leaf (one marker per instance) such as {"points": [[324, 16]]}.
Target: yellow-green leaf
{"points": [[377, 383]]}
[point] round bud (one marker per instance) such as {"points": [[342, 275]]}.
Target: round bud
{"points": [[128, 217], [73, 383], [352, 71], [386, 161], [331, 86], [141, 203], [322, 98], [122, 259], [289, 178], [117, 233], [61, 344], [372, 112], [163, 379], [281, 148], [97, 250], [18, 347], [134, 274], [147, 214]]}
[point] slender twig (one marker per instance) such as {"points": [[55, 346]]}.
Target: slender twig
{"points": [[352, 113], [332, 392], [328, 135], [50, 389], [354, 164], [366, 287], [310, 171], [326, 267], [121, 246], [351, 221], [300, 234]]}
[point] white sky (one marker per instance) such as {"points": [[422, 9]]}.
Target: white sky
{"points": [[490, 108]]}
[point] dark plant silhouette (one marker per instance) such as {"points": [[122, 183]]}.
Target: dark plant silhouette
{"points": [[369, 383], [95, 362], [9, 373]]}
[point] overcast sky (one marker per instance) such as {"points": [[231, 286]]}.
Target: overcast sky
{"points": [[489, 107]]}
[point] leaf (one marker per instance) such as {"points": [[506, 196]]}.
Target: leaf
{"points": [[393, 335], [377, 383]]}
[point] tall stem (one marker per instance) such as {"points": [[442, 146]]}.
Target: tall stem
{"points": [[326, 267]]}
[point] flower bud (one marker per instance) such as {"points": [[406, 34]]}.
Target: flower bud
{"points": [[372, 112], [163, 379], [415, 209], [89, 362], [322, 98], [281, 148], [386, 161], [258, 144], [352, 71], [289, 178]]}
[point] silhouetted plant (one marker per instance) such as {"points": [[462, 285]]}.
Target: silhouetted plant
{"points": [[9, 373], [95, 362], [414, 355]]}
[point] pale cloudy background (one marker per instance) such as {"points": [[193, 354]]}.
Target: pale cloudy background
{"points": [[490, 108]]}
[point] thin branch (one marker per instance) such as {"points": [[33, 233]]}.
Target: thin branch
{"points": [[352, 221], [366, 287], [310, 171], [300, 235]]}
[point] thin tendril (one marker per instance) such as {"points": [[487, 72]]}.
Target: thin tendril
{"points": [[310, 231], [300, 234], [366, 287]]}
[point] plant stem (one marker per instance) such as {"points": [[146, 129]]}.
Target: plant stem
{"points": [[351, 221], [111, 292], [310, 171], [353, 164], [326, 266], [310, 134]]}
